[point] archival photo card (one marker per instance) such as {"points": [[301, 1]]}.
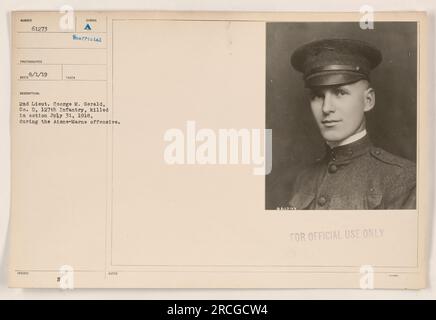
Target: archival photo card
{"points": [[219, 150]]}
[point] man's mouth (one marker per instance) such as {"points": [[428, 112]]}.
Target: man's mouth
{"points": [[330, 122]]}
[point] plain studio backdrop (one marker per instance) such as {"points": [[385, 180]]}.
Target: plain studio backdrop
{"points": [[296, 139]]}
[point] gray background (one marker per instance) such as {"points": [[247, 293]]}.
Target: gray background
{"points": [[296, 139]]}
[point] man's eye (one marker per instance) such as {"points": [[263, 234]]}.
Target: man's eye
{"points": [[340, 92], [314, 96]]}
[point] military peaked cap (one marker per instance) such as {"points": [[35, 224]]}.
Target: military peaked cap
{"points": [[335, 61]]}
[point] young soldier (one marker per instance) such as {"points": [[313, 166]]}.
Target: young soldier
{"points": [[353, 174]]}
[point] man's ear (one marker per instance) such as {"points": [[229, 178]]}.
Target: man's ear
{"points": [[369, 97]]}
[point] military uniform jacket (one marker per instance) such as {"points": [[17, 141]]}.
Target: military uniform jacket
{"points": [[356, 176]]}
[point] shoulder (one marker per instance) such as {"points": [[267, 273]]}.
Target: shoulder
{"points": [[393, 167], [385, 158]]}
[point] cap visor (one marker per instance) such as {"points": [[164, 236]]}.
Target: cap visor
{"points": [[331, 78]]}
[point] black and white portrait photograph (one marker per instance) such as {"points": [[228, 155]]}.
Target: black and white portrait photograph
{"points": [[341, 101]]}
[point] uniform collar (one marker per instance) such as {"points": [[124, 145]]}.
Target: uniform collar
{"points": [[349, 140], [344, 153]]}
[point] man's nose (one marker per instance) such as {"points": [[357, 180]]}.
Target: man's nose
{"points": [[327, 104]]}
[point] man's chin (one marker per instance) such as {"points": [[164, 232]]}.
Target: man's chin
{"points": [[333, 138]]}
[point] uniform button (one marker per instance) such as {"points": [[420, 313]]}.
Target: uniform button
{"points": [[322, 201], [333, 168]]}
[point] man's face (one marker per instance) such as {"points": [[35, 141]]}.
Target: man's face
{"points": [[339, 110]]}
